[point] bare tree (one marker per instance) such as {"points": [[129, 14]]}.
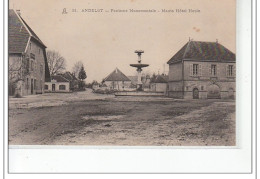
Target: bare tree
{"points": [[56, 62], [18, 69], [76, 68]]}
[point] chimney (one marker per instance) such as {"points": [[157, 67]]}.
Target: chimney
{"points": [[18, 12], [216, 40]]}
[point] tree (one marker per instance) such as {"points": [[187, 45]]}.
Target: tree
{"points": [[76, 68], [82, 76], [18, 69], [56, 62]]}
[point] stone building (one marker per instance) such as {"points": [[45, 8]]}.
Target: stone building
{"points": [[202, 70], [57, 84], [159, 83], [117, 80], [28, 68]]}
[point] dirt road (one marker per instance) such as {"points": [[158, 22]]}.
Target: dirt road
{"points": [[123, 121]]}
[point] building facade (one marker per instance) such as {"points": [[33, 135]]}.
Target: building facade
{"points": [[57, 84], [28, 68], [159, 83], [201, 70], [117, 81]]}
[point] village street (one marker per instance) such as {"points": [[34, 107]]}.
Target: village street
{"points": [[86, 118]]}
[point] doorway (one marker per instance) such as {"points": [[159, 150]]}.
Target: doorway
{"points": [[53, 87], [31, 86], [195, 93]]}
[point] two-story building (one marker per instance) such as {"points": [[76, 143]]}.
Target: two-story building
{"points": [[202, 70], [28, 68]]}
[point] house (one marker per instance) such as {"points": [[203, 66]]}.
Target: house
{"points": [[28, 68], [74, 82], [117, 80], [202, 70], [159, 83], [57, 84], [145, 80]]}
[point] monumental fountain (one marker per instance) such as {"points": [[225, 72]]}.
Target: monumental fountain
{"points": [[139, 66], [139, 86]]}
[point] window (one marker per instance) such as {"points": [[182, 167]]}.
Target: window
{"points": [[39, 50], [230, 70], [41, 69], [187, 88], [202, 87], [213, 70], [27, 65], [195, 69], [62, 87], [32, 65], [46, 87], [30, 46]]}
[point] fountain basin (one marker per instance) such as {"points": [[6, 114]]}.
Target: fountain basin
{"points": [[139, 65]]}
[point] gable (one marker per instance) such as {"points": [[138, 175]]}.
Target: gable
{"points": [[117, 75]]}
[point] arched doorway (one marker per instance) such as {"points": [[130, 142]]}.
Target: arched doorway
{"points": [[213, 92], [195, 93], [231, 93]]}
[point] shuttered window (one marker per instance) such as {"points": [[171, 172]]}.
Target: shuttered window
{"points": [[213, 70], [230, 70]]}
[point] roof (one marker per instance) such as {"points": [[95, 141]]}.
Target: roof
{"points": [[117, 75], [69, 76], [203, 51], [160, 79], [133, 79], [19, 33], [59, 78]]}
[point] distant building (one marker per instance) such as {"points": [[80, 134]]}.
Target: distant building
{"points": [[74, 82], [202, 70], [28, 68], [117, 80], [145, 80], [57, 84], [159, 83]]}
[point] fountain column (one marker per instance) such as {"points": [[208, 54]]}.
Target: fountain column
{"points": [[139, 67]]}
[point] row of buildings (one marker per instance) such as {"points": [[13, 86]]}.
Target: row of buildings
{"points": [[197, 70], [28, 67]]}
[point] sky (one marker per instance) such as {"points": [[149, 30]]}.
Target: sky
{"points": [[106, 40]]}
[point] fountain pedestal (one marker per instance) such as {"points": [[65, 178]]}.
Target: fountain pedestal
{"points": [[139, 66]]}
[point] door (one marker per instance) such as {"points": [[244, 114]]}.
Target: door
{"points": [[31, 86], [53, 87], [195, 93]]}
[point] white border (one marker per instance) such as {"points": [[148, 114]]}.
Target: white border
{"points": [[154, 160]]}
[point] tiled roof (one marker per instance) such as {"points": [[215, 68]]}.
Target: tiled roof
{"points": [[204, 51], [59, 78], [69, 76], [18, 34], [116, 75]]}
